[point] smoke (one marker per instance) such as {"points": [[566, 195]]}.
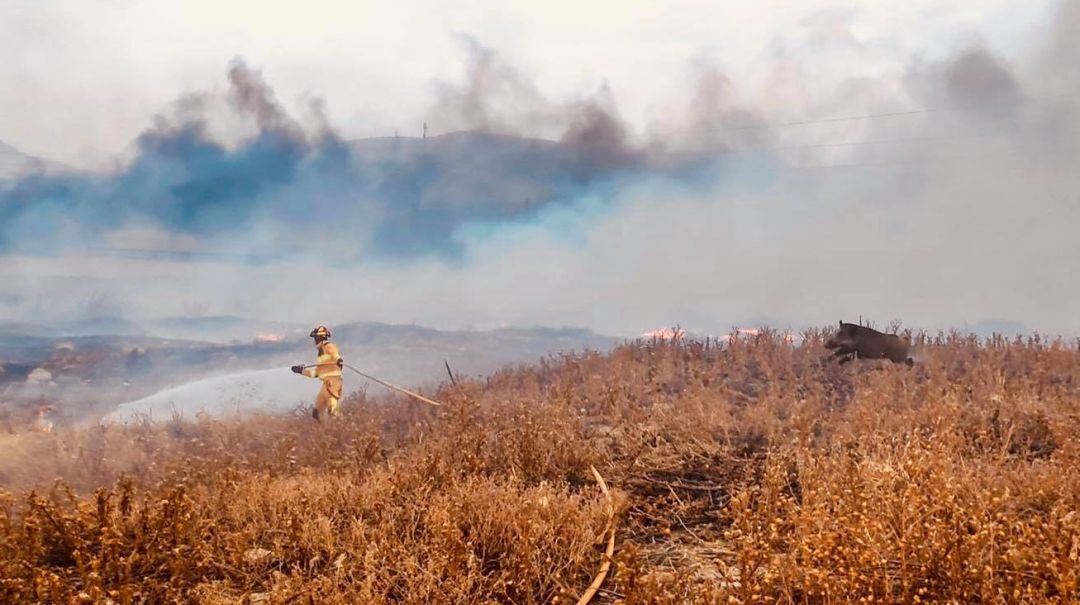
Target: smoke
{"points": [[941, 194], [494, 97], [975, 83], [182, 180], [281, 192]]}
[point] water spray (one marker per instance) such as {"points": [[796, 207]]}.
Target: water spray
{"points": [[388, 385]]}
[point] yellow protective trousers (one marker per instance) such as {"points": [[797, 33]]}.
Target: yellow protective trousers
{"points": [[328, 401]]}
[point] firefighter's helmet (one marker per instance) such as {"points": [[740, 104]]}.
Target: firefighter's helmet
{"points": [[321, 333]]}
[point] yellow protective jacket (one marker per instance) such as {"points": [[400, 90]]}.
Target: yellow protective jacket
{"points": [[327, 363]]}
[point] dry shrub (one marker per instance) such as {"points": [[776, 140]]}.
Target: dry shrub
{"points": [[747, 470], [390, 535], [903, 519]]}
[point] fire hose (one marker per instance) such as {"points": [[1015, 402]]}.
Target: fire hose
{"points": [[605, 564], [392, 387]]}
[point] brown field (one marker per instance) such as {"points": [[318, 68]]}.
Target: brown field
{"points": [[748, 472]]}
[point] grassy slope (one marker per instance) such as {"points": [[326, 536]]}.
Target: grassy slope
{"points": [[750, 472]]}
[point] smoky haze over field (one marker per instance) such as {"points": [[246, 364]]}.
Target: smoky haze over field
{"points": [[947, 194]]}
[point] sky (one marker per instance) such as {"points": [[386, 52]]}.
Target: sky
{"points": [[700, 163], [81, 80]]}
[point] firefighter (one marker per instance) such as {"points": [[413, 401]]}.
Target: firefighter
{"points": [[327, 368]]}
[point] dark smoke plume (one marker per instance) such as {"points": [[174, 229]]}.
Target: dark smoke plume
{"points": [[941, 195], [283, 192]]}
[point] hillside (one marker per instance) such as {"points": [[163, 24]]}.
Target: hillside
{"points": [[742, 472], [86, 368], [441, 183], [410, 197], [14, 163]]}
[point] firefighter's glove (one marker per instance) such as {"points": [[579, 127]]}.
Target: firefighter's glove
{"points": [[298, 369], [340, 362]]}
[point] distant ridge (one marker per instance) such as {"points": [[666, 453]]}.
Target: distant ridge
{"points": [[15, 163]]}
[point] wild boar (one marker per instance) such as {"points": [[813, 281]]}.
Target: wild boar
{"points": [[853, 341]]}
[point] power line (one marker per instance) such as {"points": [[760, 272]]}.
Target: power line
{"points": [[949, 137], [968, 157], [869, 116], [826, 120], [852, 165]]}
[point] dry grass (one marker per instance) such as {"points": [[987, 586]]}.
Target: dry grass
{"points": [[747, 472]]}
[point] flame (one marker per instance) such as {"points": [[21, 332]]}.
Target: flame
{"points": [[677, 334], [269, 337], [664, 334], [42, 423], [787, 337], [740, 332]]}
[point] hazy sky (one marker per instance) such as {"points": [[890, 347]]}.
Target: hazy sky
{"points": [[699, 177], [80, 79]]}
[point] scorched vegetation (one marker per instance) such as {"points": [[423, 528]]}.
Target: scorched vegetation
{"points": [[747, 471]]}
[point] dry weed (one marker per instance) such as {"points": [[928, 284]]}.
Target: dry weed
{"points": [[746, 471]]}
